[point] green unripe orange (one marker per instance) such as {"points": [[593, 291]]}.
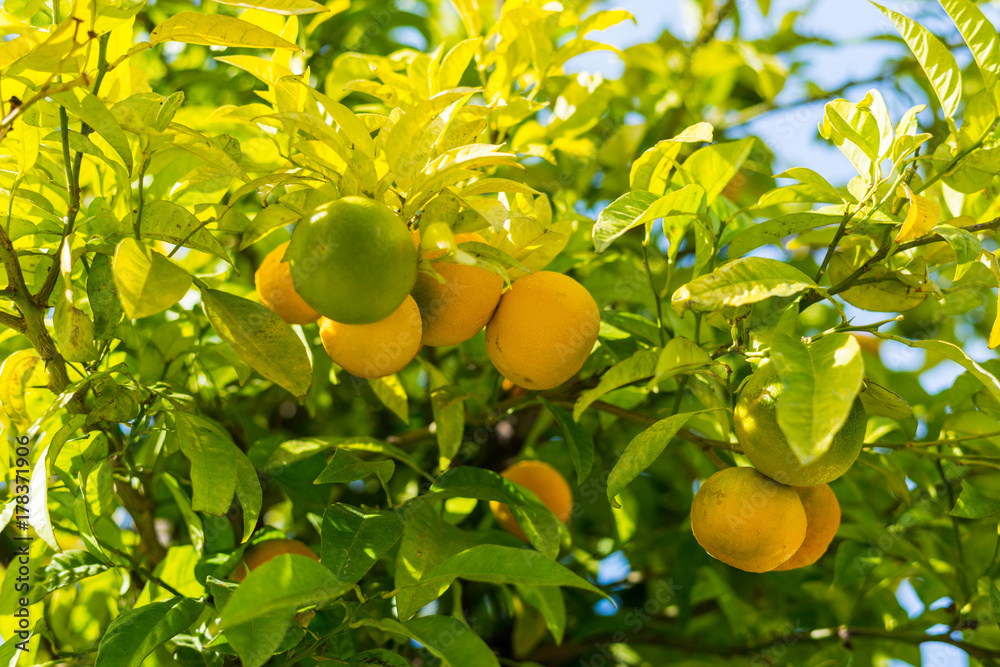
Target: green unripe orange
{"points": [[763, 442], [353, 261]]}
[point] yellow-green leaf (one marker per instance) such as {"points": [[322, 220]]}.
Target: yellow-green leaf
{"points": [[14, 375], [215, 30], [261, 338], [148, 283], [934, 57], [284, 7]]}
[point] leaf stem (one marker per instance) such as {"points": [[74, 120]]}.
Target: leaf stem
{"points": [[656, 296]]}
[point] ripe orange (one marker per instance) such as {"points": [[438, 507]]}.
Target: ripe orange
{"points": [[257, 555], [545, 482], [378, 349], [543, 330], [822, 522], [457, 309], [748, 520], [276, 291]]}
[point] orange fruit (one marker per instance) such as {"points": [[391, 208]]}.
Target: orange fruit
{"points": [[259, 554], [822, 522], [276, 291], [545, 482], [543, 330], [748, 520], [378, 349], [457, 309], [353, 260]]}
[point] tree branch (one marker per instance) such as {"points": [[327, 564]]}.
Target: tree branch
{"points": [[12, 321], [992, 225]]}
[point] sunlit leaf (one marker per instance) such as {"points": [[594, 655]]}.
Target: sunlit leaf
{"points": [[261, 338], [215, 30]]}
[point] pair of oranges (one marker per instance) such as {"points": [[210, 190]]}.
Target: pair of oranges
{"points": [[352, 266], [781, 514]]}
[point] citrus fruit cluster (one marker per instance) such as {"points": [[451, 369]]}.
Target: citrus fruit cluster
{"points": [[352, 265], [780, 514]]}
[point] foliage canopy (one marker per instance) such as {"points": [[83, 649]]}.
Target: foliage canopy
{"points": [[152, 154]]}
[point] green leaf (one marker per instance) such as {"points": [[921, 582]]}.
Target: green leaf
{"points": [[966, 245], [651, 170], [147, 282], [874, 104], [353, 541], [549, 601], [620, 216], [92, 111], [136, 633], [286, 583], [427, 542], [487, 251], [283, 7], [38, 508], [880, 401], [636, 208], [261, 338], [742, 281], [390, 391], [210, 450], [934, 57], [278, 455], [103, 296], [168, 108], [642, 451], [773, 230], [457, 60], [496, 564], [215, 30], [166, 221], [269, 219], [196, 529], [955, 353], [639, 366], [248, 491], [632, 323], [853, 563], [820, 382], [679, 355], [972, 504], [543, 529], [982, 39], [448, 407], [811, 187], [258, 639], [345, 467], [857, 125], [445, 637], [579, 441], [65, 568], [712, 167]]}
